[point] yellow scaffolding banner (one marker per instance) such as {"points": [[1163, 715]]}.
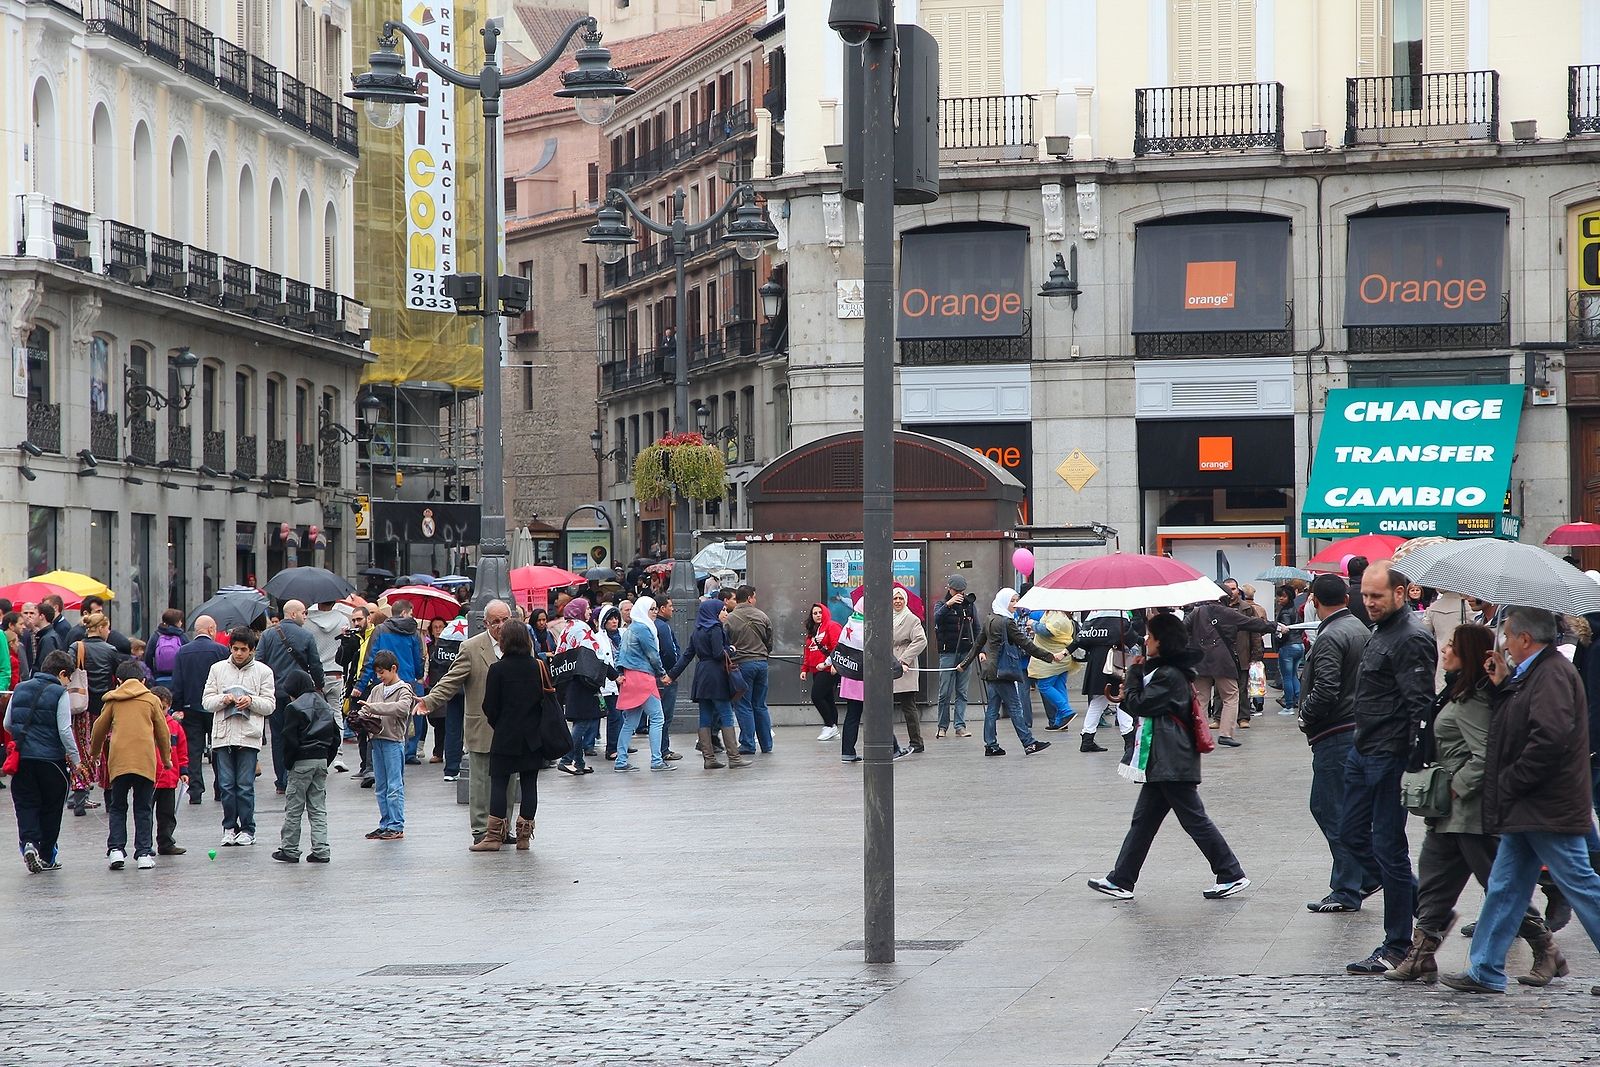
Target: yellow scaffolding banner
{"points": [[418, 203]]}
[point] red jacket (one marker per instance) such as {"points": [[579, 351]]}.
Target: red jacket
{"points": [[818, 649], [168, 779]]}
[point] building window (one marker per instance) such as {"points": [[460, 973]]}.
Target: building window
{"points": [[210, 402], [99, 376], [243, 404], [275, 408], [140, 579], [302, 414], [511, 196], [102, 545], [1211, 42], [969, 37], [583, 279], [330, 249], [178, 563], [43, 527], [212, 566], [594, 182]]}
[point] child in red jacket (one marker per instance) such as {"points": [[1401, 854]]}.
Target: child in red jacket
{"points": [[169, 781]]}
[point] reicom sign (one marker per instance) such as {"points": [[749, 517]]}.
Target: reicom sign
{"points": [[963, 281]]}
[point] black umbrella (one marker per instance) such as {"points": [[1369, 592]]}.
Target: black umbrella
{"points": [[232, 606], [375, 572], [600, 574], [309, 585]]}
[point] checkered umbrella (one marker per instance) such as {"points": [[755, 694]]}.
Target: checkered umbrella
{"points": [[1507, 573]]}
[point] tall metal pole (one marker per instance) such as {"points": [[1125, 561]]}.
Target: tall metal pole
{"points": [[494, 572], [681, 590], [877, 497]]}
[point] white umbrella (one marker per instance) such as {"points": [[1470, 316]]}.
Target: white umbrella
{"points": [[1506, 573], [728, 554], [522, 550]]}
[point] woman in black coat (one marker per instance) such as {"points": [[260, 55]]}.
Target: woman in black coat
{"points": [[1159, 694], [513, 702], [713, 685]]}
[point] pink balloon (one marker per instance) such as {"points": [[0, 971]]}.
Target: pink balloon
{"points": [[1022, 560], [1344, 563]]}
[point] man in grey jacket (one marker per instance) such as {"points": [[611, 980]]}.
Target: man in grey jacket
{"points": [[1329, 676], [1394, 694], [288, 646]]}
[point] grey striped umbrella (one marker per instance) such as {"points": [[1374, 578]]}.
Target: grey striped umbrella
{"points": [[1284, 574], [1507, 573]]}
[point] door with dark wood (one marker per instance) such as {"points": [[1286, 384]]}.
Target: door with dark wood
{"points": [[1588, 462]]}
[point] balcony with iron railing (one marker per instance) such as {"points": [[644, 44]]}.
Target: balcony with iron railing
{"points": [[292, 94], [199, 52], [277, 460], [166, 262], [180, 444], [1414, 108], [1440, 337], [126, 252], [44, 425], [322, 126], [1208, 118], [958, 351], [332, 463], [214, 449], [236, 285], [119, 19], [987, 127], [297, 304], [263, 85], [305, 464], [163, 34], [700, 137], [142, 440], [233, 70], [268, 295], [1583, 99], [104, 433], [1219, 342], [246, 453], [1583, 317], [69, 231]]}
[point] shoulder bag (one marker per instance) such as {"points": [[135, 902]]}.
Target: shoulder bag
{"points": [[1425, 785], [78, 686], [555, 737], [1203, 741], [579, 664], [1013, 662]]}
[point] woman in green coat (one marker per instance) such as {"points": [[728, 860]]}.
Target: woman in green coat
{"points": [[1456, 848]]}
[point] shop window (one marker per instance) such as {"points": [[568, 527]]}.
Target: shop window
{"points": [[1430, 373], [43, 529]]}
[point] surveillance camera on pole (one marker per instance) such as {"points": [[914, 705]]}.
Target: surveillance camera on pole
{"points": [[856, 20]]}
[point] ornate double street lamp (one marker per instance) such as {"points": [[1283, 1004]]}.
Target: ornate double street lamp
{"points": [[385, 89], [749, 233]]}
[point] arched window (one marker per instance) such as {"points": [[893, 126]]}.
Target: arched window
{"points": [[330, 249], [180, 195], [216, 207], [247, 216], [276, 224], [144, 179], [103, 153], [306, 235], [99, 375], [45, 139]]}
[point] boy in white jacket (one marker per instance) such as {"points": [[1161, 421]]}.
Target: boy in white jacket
{"points": [[239, 695]]}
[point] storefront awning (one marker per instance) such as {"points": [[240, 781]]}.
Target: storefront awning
{"points": [[1415, 462]]}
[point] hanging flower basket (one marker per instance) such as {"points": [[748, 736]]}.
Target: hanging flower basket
{"points": [[681, 462]]}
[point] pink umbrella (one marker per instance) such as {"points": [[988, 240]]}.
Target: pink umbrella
{"points": [[1575, 534], [1337, 555], [1120, 582], [33, 591], [913, 601], [430, 602]]}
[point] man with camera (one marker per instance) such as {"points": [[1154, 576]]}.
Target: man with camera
{"points": [[955, 626]]}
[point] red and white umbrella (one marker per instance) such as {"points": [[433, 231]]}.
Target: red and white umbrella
{"points": [[430, 602], [1120, 582], [1576, 535], [913, 601], [1336, 557], [526, 581]]}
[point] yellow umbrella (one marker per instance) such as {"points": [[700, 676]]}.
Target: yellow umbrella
{"points": [[81, 584]]}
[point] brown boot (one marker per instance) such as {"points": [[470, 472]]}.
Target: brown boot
{"points": [[708, 751], [1418, 966], [524, 833], [730, 741], [493, 838], [1548, 962]]}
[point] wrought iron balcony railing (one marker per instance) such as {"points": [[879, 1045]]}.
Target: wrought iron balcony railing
{"points": [[1444, 337], [1208, 118], [986, 127], [245, 455], [1583, 99], [214, 449], [142, 440], [1583, 317], [277, 460], [180, 444], [305, 464], [1452, 106], [954, 351], [104, 431], [44, 425]]}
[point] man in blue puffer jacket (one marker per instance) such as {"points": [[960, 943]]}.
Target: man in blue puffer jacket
{"points": [[39, 719]]}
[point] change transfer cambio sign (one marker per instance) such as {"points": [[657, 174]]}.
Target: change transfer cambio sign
{"points": [[1409, 461]]}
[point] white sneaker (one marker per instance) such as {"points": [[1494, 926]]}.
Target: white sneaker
{"points": [[244, 838], [117, 858], [340, 765], [1223, 890], [230, 837], [826, 734], [146, 863]]}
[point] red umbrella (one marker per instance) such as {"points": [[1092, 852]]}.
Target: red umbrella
{"points": [[525, 581], [430, 602], [1120, 582], [913, 601], [1337, 555], [31, 592], [1577, 534]]}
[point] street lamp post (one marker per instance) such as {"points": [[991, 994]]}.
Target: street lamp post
{"points": [[748, 233], [385, 90]]}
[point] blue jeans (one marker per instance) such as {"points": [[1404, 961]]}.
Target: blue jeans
{"points": [[613, 726], [1328, 758], [1289, 657], [419, 734], [1057, 701], [454, 733], [1009, 693], [388, 770], [585, 732], [1374, 831], [669, 699], [750, 708], [953, 690], [1516, 871], [236, 779], [715, 714]]}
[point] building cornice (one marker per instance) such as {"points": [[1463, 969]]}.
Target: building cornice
{"points": [[663, 87]]}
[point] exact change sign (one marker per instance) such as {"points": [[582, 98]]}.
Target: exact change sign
{"points": [[1411, 462]]}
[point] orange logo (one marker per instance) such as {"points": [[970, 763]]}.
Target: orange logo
{"points": [[1209, 285], [1216, 453]]}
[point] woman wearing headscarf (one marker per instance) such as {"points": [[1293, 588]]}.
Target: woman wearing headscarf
{"points": [[1164, 760], [822, 633], [910, 639], [544, 641], [1001, 651], [849, 660], [713, 684], [585, 706], [642, 678], [608, 621]]}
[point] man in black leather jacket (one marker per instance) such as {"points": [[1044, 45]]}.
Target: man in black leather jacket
{"points": [[1394, 694], [1330, 675]]}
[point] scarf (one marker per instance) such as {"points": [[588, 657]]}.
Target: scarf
{"points": [[1002, 603], [578, 634], [1137, 762], [847, 652]]}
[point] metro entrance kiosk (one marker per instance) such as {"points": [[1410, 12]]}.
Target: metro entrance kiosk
{"points": [[1415, 463]]}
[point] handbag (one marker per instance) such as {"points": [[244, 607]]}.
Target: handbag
{"points": [[555, 737], [1426, 792], [13, 761], [579, 664], [1203, 741], [1012, 664], [78, 686], [736, 680]]}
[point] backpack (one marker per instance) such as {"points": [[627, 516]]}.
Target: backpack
{"points": [[166, 654]]}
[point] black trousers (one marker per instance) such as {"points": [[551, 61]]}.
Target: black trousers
{"points": [[500, 783], [1183, 799], [166, 817], [1443, 867], [852, 727], [39, 793], [197, 729], [142, 792], [825, 696]]}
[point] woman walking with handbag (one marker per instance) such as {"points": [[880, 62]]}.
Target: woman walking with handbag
{"points": [[513, 702], [849, 659], [822, 633], [713, 683], [1002, 651], [910, 640], [1455, 847], [581, 698], [642, 678], [1165, 760]]}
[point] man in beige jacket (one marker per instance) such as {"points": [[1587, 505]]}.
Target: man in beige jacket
{"points": [[470, 672]]}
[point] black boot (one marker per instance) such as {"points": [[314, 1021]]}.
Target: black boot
{"points": [[1088, 745]]}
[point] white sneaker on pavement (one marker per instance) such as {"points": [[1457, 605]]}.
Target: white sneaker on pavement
{"points": [[340, 765], [230, 837], [244, 839], [145, 863], [116, 858], [826, 734]]}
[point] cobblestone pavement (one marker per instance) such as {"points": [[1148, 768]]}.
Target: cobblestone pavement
{"points": [[590, 1024], [1318, 1021]]}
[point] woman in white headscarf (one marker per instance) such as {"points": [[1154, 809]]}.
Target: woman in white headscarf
{"points": [[910, 639], [849, 659], [1002, 652], [642, 677]]}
